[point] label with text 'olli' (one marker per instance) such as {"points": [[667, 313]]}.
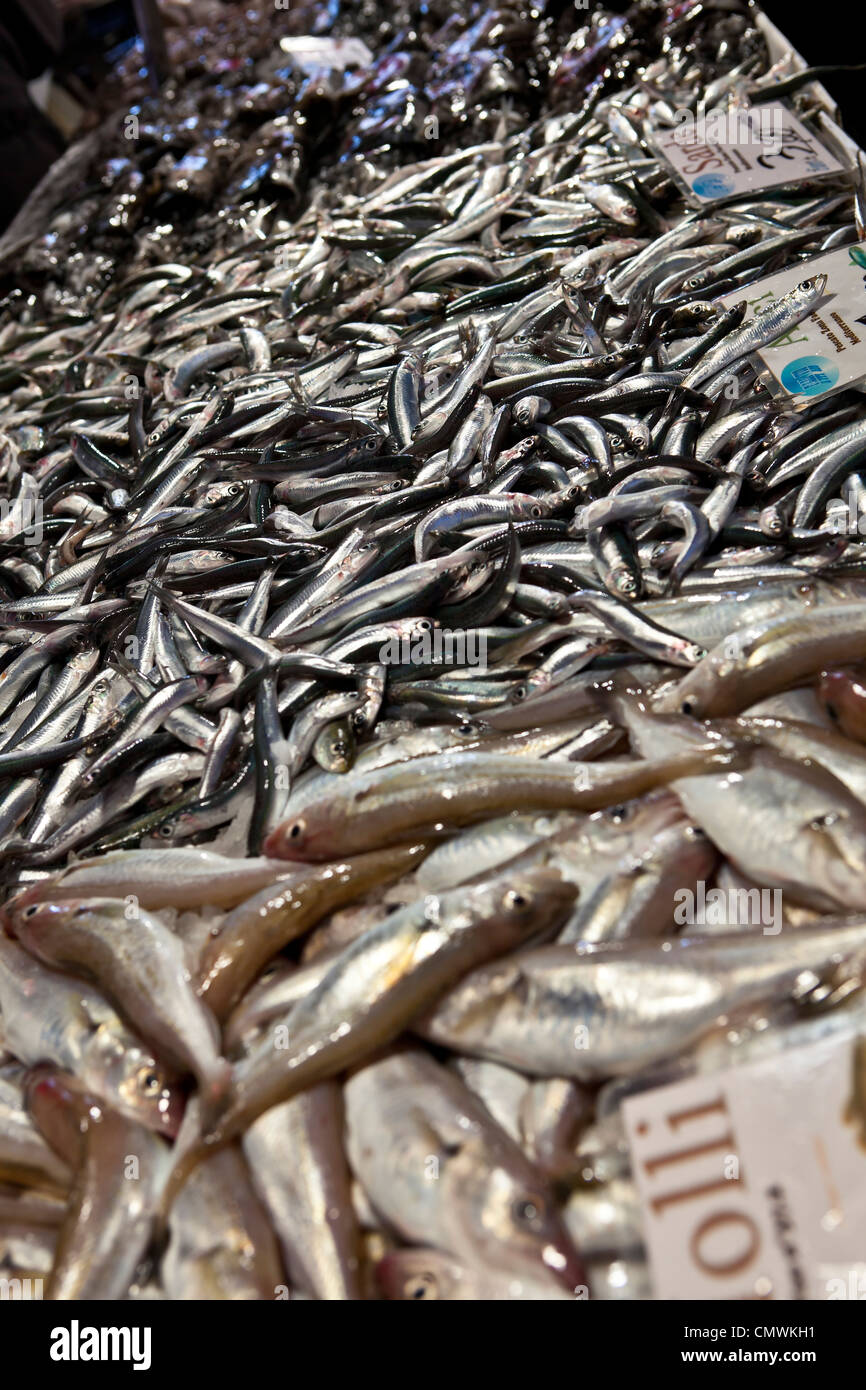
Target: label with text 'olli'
{"points": [[753, 1180]]}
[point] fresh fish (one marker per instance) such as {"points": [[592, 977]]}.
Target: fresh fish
{"points": [[140, 965], [221, 1244], [46, 1016], [120, 1169], [443, 1173], [611, 1010], [384, 978], [310, 1199], [256, 930]]}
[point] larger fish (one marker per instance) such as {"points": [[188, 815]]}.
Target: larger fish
{"points": [[46, 1016], [142, 967], [443, 1173], [383, 979], [309, 1198], [429, 794], [120, 1169], [612, 1010]]}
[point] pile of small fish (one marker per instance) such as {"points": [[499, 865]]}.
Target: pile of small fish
{"points": [[408, 589]]}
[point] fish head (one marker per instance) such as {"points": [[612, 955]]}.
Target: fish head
{"points": [[809, 290], [621, 582], [116, 1064], [693, 695], [685, 848], [520, 904], [13, 906], [136, 1083], [692, 652], [38, 925], [289, 840], [843, 695], [335, 747], [836, 842], [312, 834], [512, 1222], [532, 508], [29, 915], [622, 828], [63, 1105], [418, 1276]]}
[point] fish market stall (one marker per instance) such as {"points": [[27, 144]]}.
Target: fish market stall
{"points": [[432, 701]]}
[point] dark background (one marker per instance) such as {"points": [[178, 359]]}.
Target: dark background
{"points": [[830, 31], [823, 31]]}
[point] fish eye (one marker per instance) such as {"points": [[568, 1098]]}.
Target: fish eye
{"points": [[805, 285], [31, 910], [421, 1286], [149, 1082], [467, 727], [519, 693], [617, 813], [688, 706], [528, 1211], [536, 511], [425, 625], [515, 901], [296, 830], [166, 830]]}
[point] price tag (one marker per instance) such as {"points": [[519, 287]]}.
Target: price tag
{"points": [[315, 52], [827, 351], [753, 1180], [717, 155]]}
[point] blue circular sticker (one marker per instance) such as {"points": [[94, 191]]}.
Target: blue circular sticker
{"points": [[809, 376], [713, 186]]}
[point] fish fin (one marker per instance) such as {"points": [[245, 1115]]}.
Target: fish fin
{"points": [[213, 1093]]}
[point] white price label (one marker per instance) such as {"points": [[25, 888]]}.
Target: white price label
{"points": [[827, 351], [753, 1180], [717, 155], [315, 52]]}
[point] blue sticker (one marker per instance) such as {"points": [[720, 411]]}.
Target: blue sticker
{"points": [[713, 186], [809, 376]]}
